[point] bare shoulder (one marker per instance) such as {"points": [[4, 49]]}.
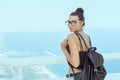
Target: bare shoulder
{"points": [[72, 35]]}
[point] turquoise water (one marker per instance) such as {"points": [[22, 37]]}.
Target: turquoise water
{"points": [[35, 43]]}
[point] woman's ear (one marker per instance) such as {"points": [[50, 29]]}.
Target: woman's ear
{"points": [[81, 23]]}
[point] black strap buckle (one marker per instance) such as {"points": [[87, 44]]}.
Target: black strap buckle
{"points": [[69, 75]]}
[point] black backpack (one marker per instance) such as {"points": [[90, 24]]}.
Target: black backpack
{"points": [[93, 65]]}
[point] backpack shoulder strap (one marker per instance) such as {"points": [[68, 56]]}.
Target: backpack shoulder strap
{"points": [[81, 47], [85, 42]]}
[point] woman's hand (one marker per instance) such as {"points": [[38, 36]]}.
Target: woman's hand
{"points": [[64, 44]]}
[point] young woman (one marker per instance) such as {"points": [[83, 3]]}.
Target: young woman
{"points": [[73, 48]]}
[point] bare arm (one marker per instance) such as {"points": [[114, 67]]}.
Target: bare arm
{"points": [[65, 51], [73, 58]]}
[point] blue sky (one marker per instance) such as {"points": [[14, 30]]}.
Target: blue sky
{"points": [[45, 15]]}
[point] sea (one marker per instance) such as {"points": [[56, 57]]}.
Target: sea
{"points": [[25, 44]]}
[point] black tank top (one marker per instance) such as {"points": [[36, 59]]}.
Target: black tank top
{"points": [[81, 57]]}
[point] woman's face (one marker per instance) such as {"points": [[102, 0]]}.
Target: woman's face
{"points": [[74, 24]]}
